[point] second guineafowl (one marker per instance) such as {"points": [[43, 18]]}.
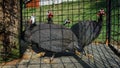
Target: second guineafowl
{"points": [[87, 31]]}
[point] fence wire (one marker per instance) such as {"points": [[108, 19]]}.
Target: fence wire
{"points": [[65, 14]]}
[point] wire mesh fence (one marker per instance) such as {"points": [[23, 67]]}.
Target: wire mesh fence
{"points": [[115, 26], [67, 25], [115, 22], [75, 10]]}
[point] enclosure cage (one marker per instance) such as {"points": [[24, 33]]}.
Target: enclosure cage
{"points": [[76, 10], [102, 46]]}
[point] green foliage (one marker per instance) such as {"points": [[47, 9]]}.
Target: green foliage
{"points": [[76, 11]]}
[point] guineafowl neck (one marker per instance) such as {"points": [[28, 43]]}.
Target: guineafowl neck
{"points": [[100, 19]]}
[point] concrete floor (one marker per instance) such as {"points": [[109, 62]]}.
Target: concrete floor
{"points": [[103, 57]]}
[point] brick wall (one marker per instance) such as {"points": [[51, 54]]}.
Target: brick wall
{"points": [[33, 3]]}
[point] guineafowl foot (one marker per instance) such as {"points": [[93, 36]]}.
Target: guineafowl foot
{"points": [[89, 56], [80, 53], [48, 60], [38, 55], [51, 60], [77, 52], [86, 54]]}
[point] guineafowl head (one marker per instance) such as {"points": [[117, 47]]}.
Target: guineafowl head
{"points": [[101, 12]]}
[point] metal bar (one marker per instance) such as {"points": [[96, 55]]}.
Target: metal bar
{"points": [[21, 27], [108, 25]]}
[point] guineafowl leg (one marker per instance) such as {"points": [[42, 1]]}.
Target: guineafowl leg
{"points": [[80, 53], [83, 52], [50, 60]]}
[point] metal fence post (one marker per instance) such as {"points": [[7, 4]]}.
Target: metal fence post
{"points": [[108, 25], [20, 33]]}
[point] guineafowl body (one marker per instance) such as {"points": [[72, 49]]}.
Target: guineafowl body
{"points": [[87, 31], [52, 37]]}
